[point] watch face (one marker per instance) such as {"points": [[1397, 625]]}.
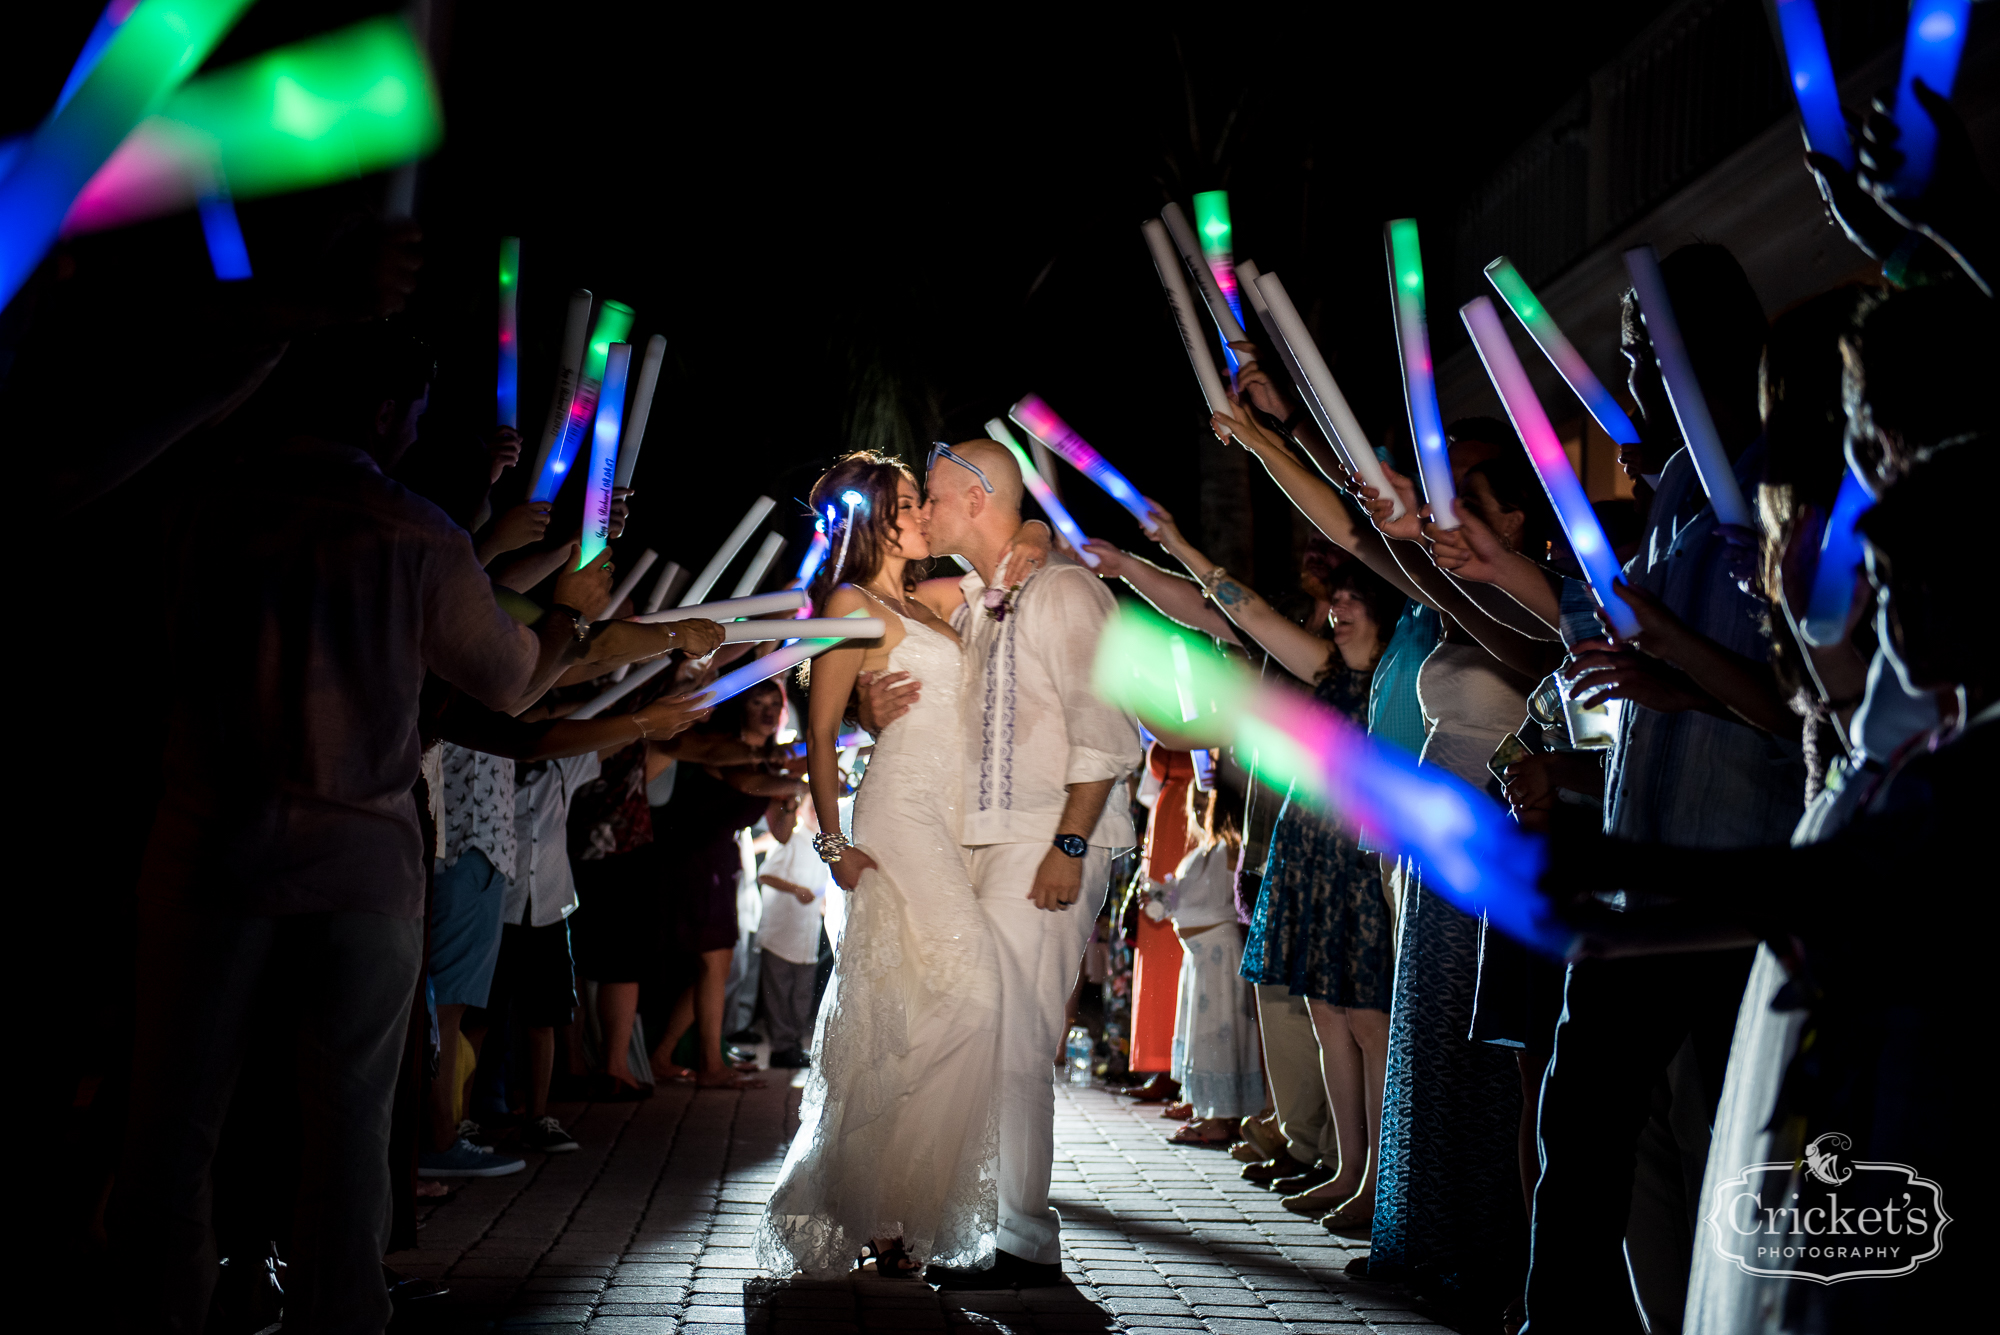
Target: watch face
{"points": [[1073, 844]]}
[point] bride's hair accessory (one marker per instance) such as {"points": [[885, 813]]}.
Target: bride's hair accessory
{"points": [[853, 498], [830, 847]]}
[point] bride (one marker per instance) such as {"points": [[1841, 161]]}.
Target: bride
{"points": [[896, 1141]]}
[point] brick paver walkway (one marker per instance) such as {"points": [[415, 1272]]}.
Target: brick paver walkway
{"points": [[646, 1231]]}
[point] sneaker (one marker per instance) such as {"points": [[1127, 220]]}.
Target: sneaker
{"points": [[466, 1159], [471, 1132], [791, 1059], [548, 1136]]}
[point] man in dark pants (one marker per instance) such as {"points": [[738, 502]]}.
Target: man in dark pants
{"points": [[315, 595], [1682, 772]]}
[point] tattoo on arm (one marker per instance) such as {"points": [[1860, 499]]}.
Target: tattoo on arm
{"points": [[1231, 594]]}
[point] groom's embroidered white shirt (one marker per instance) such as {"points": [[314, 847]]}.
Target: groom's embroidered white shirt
{"points": [[1028, 703]]}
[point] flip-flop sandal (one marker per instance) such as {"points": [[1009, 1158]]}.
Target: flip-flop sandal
{"points": [[1187, 1135], [1177, 1112], [677, 1075]]}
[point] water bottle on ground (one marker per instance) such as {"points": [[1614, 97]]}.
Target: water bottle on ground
{"points": [[1078, 1048]]}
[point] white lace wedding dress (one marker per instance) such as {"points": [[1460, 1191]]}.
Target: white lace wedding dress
{"points": [[896, 1130]]}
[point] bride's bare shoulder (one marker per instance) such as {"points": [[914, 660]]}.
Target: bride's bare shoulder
{"points": [[844, 598]]}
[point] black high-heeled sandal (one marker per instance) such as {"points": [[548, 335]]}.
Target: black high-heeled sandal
{"points": [[893, 1261]]}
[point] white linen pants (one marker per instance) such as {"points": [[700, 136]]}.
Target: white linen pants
{"points": [[1040, 952]]}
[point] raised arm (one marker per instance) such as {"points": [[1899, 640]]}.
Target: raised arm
{"points": [[1316, 498], [1506, 585], [1177, 599], [1536, 658], [1304, 654]]}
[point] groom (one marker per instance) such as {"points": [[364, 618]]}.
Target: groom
{"points": [[1043, 819]]}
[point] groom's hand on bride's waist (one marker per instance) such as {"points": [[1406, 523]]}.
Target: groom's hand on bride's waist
{"points": [[884, 697], [1058, 881]]}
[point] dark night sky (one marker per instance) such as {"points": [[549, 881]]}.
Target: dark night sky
{"points": [[793, 200]]}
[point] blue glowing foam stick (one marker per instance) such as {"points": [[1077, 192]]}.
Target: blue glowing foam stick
{"points": [[227, 255], [507, 391], [1932, 45], [1555, 345], [1550, 461], [1040, 421], [1839, 557], [1413, 341], [815, 556], [1813, 84], [597, 483]]}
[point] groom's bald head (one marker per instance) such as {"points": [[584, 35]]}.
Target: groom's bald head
{"points": [[961, 507]]}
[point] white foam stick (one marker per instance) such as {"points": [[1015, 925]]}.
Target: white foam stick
{"points": [[1045, 464], [704, 583], [1711, 461], [642, 408], [1174, 279], [774, 664], [629, 583], [1318, 451], [611, 695], [728, 609], [576, 329], [1261, 304], [1339, 424], [760, 565], [741, 632], [1204, 277], [663, 587]]}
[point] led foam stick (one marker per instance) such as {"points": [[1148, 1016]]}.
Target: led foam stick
{"points": [[815, 557], [756, 605], [1811, 71], [642, 409], [159, 45], [1932, 45], [1551, 463], [1246, 272], [1211, 224], [228, 257], [603, 472], [752, 520], [1044, 495], [107, 26], [1174, 280], [335, 106], [1472, 852], [507, 393], [614, 321], [1227, 322], [760, 565], [847, 742], [739, 632], [1711, 461], [1832, 594], [774, 664], [1040, 421], [1323, 395], [664, 587], [629, 583], [576, 331], [1413, 341], [1555, 345]]}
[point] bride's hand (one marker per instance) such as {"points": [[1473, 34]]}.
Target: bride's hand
{"points": [[847, 871], [1028, 550]]}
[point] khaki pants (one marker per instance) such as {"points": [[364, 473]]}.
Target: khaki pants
{"points": [[1291, 1063]]}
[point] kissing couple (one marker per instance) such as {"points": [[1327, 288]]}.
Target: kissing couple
{"points": [[982, 842]]}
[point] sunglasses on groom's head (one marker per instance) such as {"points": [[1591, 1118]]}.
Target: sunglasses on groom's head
{"points": [[940, 450]]}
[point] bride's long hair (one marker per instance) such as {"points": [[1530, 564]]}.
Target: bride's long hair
{"points": [[859, 548]]}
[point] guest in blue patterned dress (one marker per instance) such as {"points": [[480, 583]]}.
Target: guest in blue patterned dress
{"points": [[1320, 928]]}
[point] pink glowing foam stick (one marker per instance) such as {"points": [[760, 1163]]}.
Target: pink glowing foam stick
{"points": [[1551, 462], [1040, 421]]}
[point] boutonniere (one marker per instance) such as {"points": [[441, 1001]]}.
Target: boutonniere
{"points": [[998, 600]]}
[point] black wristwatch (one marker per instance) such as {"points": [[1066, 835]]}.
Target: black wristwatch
{"points": [[1075, 845]]}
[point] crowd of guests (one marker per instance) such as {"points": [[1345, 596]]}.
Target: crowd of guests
{"points": [[379, 821], [1527, 1138]]}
